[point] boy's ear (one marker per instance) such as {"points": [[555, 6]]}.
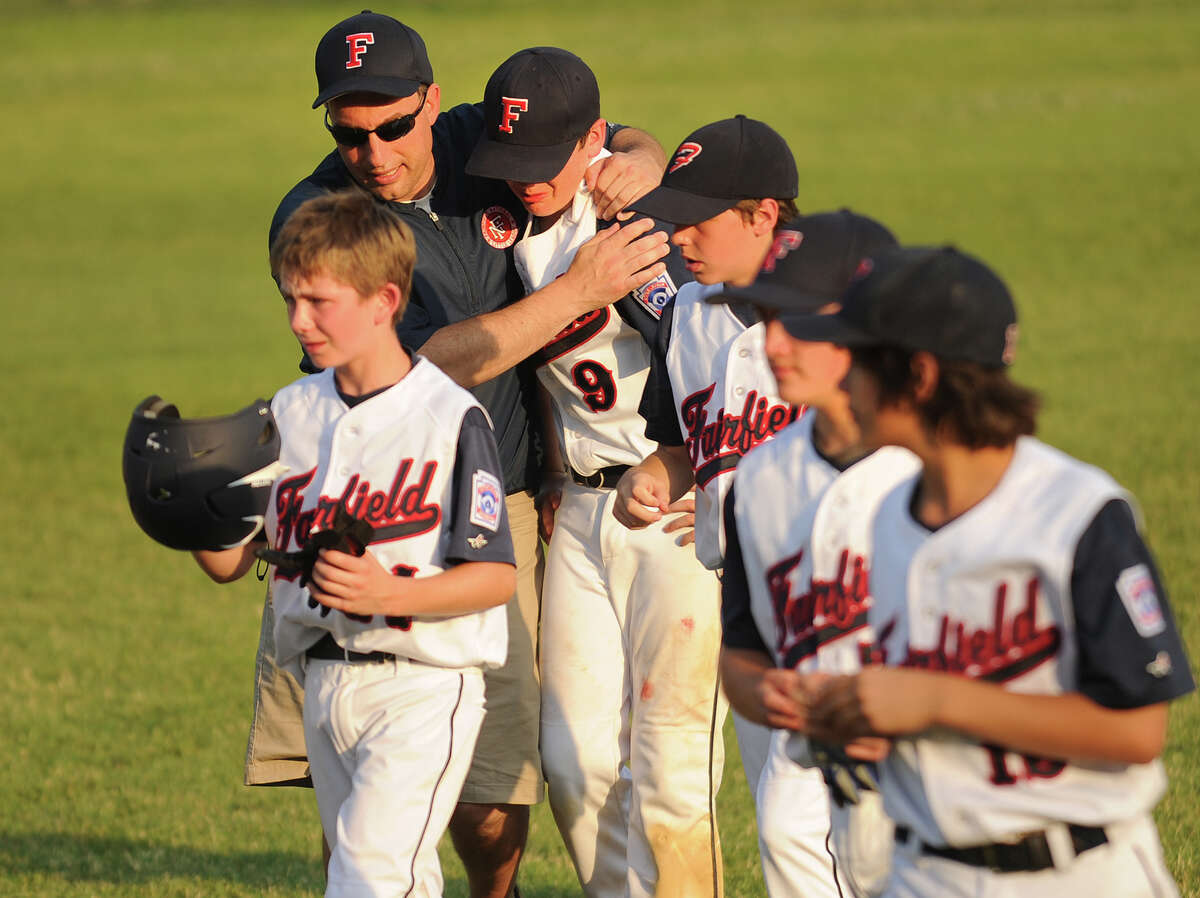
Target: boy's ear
{"points": [[925, 374], [387, 301], [595, 137], [766, 216]]}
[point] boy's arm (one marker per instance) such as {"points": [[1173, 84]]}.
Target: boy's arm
{"points": [[756, 688], [884, 701], [361, 585], [1131, 662], [226, 565], [614, 262]]}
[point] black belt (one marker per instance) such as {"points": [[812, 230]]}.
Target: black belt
{"points": [[1029, 855], [327, 649], [604, 479]]}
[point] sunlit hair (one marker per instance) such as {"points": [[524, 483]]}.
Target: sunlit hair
{"points": [[351, 237], [787, 210], [972, 405]]}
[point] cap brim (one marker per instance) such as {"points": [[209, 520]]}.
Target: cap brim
{"points": [[678, 207], [835, 329], [510, 162], [384, 86], [773, 296]]}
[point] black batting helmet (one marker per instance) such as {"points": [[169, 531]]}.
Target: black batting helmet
{"points": [[202, 483]]}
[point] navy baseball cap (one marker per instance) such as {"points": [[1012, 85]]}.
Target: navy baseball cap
{"points": [[935, 299], [536, 107], [371, 53], [718, 166], [812, 260]]}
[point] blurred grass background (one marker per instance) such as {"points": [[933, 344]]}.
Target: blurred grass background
{"points": [[146, 146]]}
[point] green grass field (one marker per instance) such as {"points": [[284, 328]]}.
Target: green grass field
{"points": [[147, 145]]}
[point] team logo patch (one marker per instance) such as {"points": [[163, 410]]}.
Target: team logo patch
{"points": [[486, 499], [655, 294], [499, 227], [1135, 586], [685, 155]]}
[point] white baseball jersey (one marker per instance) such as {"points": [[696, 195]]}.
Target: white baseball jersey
{"points": [[725, 401], [806, 576], [629, 618], [806, 608], [996, 594], [595, 369], [391, 460]]}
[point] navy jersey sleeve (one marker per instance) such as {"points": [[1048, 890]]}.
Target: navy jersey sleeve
{"points": [[738, 630], [658, 402], [1130, 653], [478, 522]]}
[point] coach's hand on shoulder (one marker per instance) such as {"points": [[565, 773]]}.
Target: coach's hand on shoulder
{"points": [[354, 584], [641, 500], [617, 180], [618, 259]]}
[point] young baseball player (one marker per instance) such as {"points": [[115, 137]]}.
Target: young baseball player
{"points": [[629, 618], [1026, 649], [710, 398], [389, 623], [779, 622], [391, 135]]}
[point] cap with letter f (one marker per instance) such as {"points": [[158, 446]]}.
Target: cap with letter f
{"points": [[935, 299], [536, 106], [371, 53], [718, 166]]}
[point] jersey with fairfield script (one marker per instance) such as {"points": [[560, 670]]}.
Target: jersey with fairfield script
{"points": [[988, 596], [806, 565], [726, 401], [389, 460]]}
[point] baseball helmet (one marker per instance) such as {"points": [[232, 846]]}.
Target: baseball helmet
{"points": [[202, 483]]}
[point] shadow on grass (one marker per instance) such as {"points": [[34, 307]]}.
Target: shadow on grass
{"points": [[82, 859]]}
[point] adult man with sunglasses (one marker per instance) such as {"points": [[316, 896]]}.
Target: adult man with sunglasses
{"points": [[469, 315]]}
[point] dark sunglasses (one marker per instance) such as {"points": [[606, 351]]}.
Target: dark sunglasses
{"points": [[392, 129]]}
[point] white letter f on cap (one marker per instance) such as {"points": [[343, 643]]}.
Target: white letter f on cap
{"points": [[358, 46]]}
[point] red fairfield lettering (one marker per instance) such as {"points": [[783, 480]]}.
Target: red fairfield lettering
{"points": [[784, 243], [824, 612], [509, 113], [358, 46], [716, 446], [403, 510], [1009, 648]]}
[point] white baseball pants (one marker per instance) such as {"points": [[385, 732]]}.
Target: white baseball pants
{"points": [[389, 745], [792, 805], [631, 713]]}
